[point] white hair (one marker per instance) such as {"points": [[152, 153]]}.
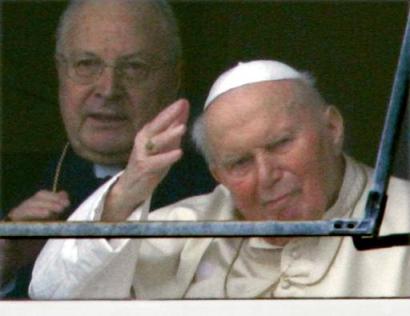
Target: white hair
{"points": [[170, 24], [199, 128]]}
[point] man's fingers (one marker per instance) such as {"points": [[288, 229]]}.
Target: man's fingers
{"points": [[183, 115], [163, 161], [35, 213], [175, 114], [59, 198], [166, 141], [158, 164], [50, 200], [54, 206], [156, 148], [42, 205]]}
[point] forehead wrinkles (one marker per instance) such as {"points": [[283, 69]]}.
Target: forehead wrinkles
{"points": [[241, 110], [114, 25], [283, 102], [240, 106]]}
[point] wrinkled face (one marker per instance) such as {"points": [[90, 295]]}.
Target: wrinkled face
{"points": [[102, 117], [279, 155]]}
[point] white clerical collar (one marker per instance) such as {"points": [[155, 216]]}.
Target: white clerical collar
{"points": [[101, 171]]}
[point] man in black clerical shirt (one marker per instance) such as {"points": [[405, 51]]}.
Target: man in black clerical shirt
{"points": [[119, 65]]}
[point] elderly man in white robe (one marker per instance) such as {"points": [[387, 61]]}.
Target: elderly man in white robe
{"points": [[275, 147]]}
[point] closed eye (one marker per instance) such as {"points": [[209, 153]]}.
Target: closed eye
{"points": [[239, 167], [240, 162], [281, 144]]}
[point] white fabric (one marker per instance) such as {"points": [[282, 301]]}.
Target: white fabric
{"points": [[223, 267], [250, 72], [103, 171], [100, 172]]}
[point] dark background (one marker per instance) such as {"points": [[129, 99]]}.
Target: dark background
{"points": [[351, 48]]}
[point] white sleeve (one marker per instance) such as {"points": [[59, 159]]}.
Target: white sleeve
{"points": [[87, 268]]}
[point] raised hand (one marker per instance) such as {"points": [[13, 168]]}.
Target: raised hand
{"points": [[157, 147], [44, 205]]}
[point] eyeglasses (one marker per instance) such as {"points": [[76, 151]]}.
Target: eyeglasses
{"points": [[88, 69]]}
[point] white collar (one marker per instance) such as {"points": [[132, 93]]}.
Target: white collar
{"points": [[102, 171]]}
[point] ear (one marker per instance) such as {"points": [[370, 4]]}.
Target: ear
{"points": [[216, 173], [335, 126]]}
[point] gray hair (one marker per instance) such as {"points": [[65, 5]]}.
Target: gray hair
{"points": [[199, 131], [170, 24]]}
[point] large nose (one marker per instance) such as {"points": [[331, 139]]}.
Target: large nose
{"points": [[268, 170], [109, 84]]}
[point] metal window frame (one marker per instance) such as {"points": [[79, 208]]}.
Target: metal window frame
{"points": [[365, 231]]}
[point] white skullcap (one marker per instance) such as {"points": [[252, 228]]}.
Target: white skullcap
{"points": [[250, 72]]}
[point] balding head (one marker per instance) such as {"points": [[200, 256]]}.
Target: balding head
{"points": [[160, 10]]}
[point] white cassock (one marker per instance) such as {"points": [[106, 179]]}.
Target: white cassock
{"points": [[224, 267]]}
